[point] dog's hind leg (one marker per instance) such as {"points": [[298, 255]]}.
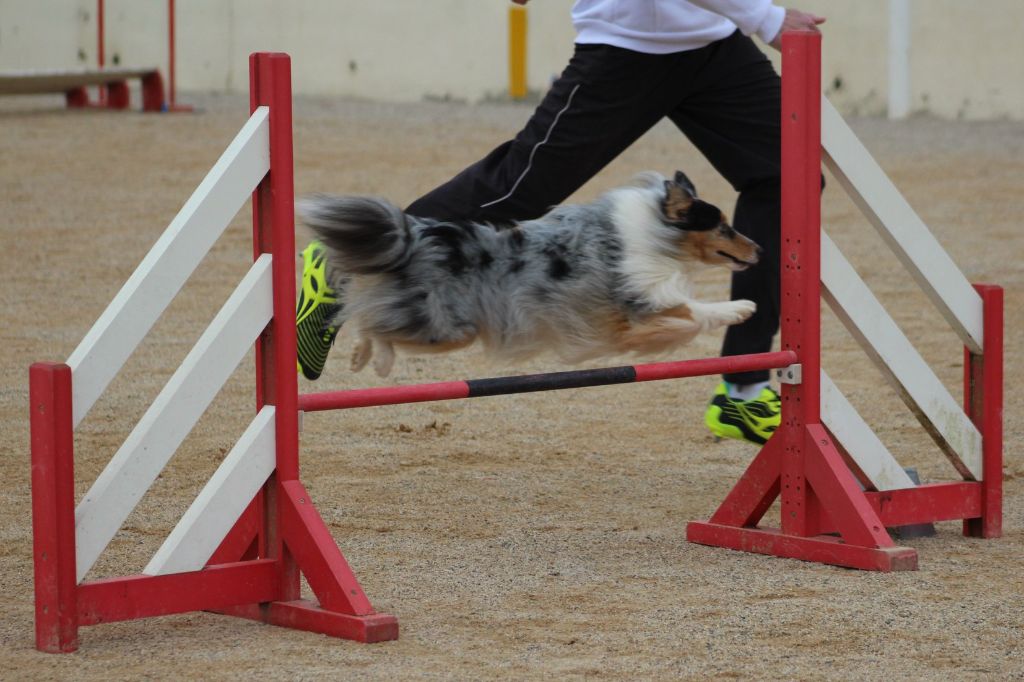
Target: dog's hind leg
{"points": [[383, 358], [658, 335], [361, 353], [680, 324]]}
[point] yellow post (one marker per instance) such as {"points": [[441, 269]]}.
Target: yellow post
{"points": [[517, 51]]}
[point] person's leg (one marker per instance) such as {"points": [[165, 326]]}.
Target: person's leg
{"points": [[733, 118], [758, 214], [605, 99]]}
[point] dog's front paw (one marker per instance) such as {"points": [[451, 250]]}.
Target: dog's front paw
{"points": [[733, 312], [741, 310]]}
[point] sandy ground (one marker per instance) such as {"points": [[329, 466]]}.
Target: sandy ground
{"points": [[536, 536]]}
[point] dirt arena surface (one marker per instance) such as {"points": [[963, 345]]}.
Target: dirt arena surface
{"points": [[520, 537]]}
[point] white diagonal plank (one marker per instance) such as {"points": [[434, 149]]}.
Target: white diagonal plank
{"points": [[170, 418], [221, 501], [857, 438], [901, 228], [161, 274], [854, 304]]}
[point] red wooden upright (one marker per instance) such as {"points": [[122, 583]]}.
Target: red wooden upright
{"points": [[983, 401], [53, 507]]}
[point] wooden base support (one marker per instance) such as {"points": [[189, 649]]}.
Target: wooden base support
{"points": [[302, 614], [826, 549]]}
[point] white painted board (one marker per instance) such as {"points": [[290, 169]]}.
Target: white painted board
{"points": [[183, 400], [901, 228], [859, 440], [221, 501], [876, 332], [164, 270]]}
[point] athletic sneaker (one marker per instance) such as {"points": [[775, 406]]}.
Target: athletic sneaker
{"points": [[751, 420], [317, 305]]}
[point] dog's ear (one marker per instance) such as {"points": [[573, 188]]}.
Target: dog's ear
{"points": [[677, 202], [684, 182]]}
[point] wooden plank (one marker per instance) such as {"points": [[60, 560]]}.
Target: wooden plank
{"points": [[41, 82], [857, 438], [825, 549], [302, 614], [898, 360], [901, 228], [145, 596], [53, 515], [221, 501], [310, 542], [837, 492], [170, 262], [177, 408], [927, 503]]}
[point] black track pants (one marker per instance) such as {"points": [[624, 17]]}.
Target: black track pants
{"points": [[724, 97]]}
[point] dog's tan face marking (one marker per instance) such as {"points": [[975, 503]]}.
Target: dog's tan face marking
{"points": [[721, 246]]}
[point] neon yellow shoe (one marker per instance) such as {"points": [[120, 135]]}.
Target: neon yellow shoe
{"points": [[750, 420], [316, 307]]}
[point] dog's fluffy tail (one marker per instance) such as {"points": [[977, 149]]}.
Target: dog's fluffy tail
{"points": [[364, 235]]}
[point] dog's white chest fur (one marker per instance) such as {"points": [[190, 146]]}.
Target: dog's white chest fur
{"points": [[650, 263]]}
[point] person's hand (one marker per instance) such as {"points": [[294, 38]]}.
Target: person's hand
{"points": [[797, 21]]}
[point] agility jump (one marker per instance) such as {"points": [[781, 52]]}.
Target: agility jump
{"points": [[253, 530], [112, 83]]}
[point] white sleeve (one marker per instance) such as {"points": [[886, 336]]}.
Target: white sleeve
{"points": [[750, 16]]}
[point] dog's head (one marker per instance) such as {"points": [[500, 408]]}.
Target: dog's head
{"points": [[706, 234]]}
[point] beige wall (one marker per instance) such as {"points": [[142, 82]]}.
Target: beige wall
{"points": [[967, 60]]}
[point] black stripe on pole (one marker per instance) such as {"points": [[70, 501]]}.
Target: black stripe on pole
{"points": [[549, 382]]}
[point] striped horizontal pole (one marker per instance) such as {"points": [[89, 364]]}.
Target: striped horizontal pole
{"points": [[530, 383]]}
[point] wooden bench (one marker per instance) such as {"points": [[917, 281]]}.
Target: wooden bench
{"points": [[73, 84]]}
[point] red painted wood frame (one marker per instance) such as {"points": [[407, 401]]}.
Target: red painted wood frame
{"points": [[116, 94], [255, 573], [825, 514], [983, 401]]}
